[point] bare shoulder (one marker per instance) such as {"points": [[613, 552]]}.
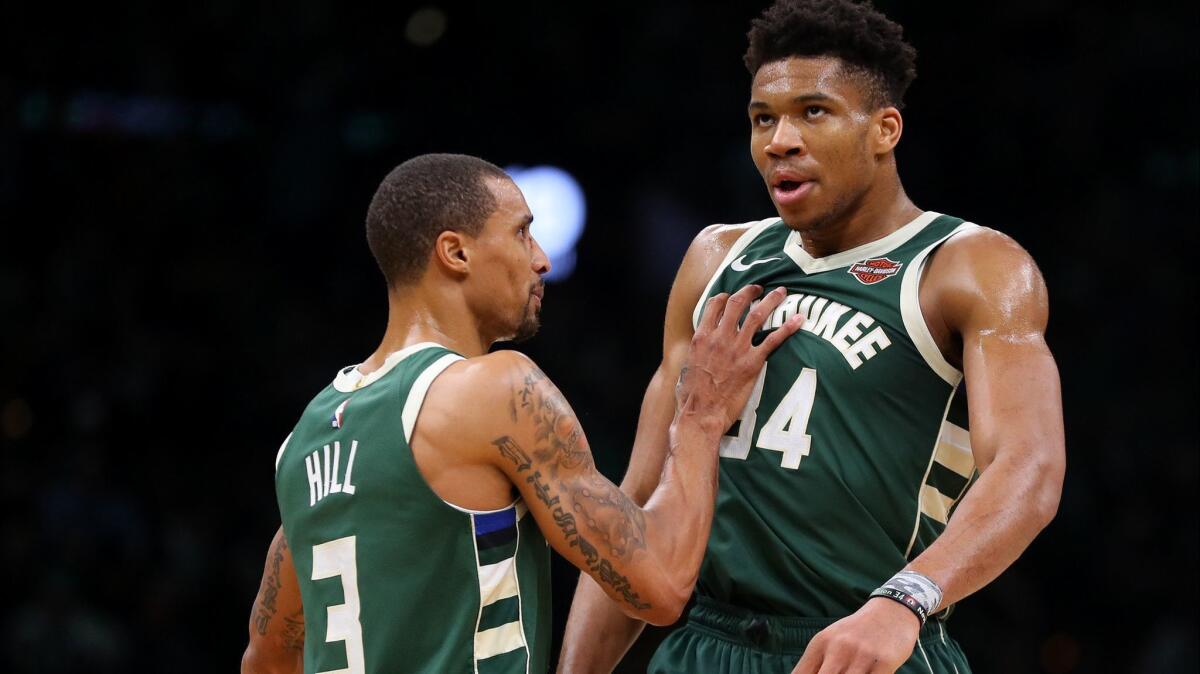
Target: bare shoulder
{"points": [[722, 237], [481, 382], [713, 243], [983, 277], [704, 257], [471, 400]]}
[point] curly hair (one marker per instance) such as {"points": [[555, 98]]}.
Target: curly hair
{"points": [[868, 43], [420, 199]]}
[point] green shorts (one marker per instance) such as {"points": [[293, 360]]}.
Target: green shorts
{"points": [[722, 639]]}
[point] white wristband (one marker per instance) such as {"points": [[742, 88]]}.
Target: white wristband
{"points": [[923, 589]]}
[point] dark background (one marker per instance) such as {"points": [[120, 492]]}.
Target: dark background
{"points": [[182, 266]]}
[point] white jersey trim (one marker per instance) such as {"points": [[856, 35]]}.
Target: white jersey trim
{"points": [[350, 379], [914, 319], [279, 454], [519, 504], [520, 599], [756, 228], [794, 247], [925, 477], [416, 395]]}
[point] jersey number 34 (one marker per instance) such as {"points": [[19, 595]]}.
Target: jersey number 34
{"points": [[785, 429]]}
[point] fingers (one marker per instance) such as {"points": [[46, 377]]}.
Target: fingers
{"points": [[714, 308], [736, 306], [773, 340], [761, 311], [811, 661]]}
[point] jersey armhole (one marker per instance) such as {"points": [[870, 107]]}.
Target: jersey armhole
{"points": [[412, 409], [736, 249], [914, 318], [420, 388], [279, 454]]}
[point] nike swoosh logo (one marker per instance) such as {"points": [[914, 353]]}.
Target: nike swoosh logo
{"points": [[738, 265]]}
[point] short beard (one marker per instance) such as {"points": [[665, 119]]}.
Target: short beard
{"points": [[530, 322]]}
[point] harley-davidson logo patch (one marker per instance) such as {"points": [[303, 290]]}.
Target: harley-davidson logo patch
{"points": [[870, 272]]}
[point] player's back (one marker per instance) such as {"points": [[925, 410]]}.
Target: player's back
{"points": [[394, 579]]}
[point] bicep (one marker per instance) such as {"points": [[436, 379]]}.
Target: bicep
{"points": [[658, 404], [583, 515], [1015, 400], [1011, 377], [654, 422]]}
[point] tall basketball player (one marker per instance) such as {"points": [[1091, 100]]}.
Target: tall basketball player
{"points": [[844, 529], [419, 490]]}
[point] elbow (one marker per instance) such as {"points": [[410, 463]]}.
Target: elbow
{"points": [[664, 613], [1047, 492], [259, 660], [1046, 506], [668, 604], [250, 664]]}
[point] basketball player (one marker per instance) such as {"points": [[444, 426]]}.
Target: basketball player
{"points": [[844, 529], [419, 490]]}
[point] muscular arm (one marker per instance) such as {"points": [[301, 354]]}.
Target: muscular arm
{"points": [[598, 634], [994, 298], [277, 618], [645, 559], [983, 290]]}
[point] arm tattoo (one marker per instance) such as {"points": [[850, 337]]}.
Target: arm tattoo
{"points": [[513, 452], [293, 631], [560, 442], [265, 609], [580, 493]]}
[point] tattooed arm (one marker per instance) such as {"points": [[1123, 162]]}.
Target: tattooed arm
{"points": [[645, 559], [597, 634], [277, 619]]}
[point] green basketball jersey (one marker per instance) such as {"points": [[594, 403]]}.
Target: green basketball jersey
{"points": [[393, 578], [853, 449]]}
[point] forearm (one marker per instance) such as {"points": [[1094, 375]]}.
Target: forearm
{"points": [[680, 510], [1014, 499], [598, 634], [678, 516]]}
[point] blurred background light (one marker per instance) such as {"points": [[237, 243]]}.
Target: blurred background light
{"points": [[559, 213], [425, 26]]}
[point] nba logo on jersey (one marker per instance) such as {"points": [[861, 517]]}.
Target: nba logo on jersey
{"points": [[339, 414], [870, 272]]}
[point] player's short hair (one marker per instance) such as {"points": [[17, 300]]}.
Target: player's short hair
{"points": [[419, 200], [868, 43]]}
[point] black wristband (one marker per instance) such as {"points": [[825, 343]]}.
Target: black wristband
{"points": [[903, 598]]}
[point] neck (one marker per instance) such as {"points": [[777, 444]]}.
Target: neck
{"points": [[880, 211], [421, 313]]}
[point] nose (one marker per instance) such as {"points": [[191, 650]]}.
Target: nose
{"points": [[539, 261], [786, 141]]}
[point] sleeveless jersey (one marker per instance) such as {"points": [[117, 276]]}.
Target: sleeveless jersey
{"points": [[393, 578], [853, 449]]}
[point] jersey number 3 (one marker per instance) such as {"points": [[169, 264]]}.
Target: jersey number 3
{"points": [[785, 429], [338, 558]]}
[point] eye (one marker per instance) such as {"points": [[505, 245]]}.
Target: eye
{"points": [[813, 111], [762, 120]]}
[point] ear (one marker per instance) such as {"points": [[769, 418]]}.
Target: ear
{"points": [[889, 126], [451, 252]]}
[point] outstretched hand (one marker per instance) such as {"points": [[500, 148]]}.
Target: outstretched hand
{"points": [[722, 363]]}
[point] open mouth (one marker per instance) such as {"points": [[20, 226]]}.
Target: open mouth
{"points": [[787, 192]]}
